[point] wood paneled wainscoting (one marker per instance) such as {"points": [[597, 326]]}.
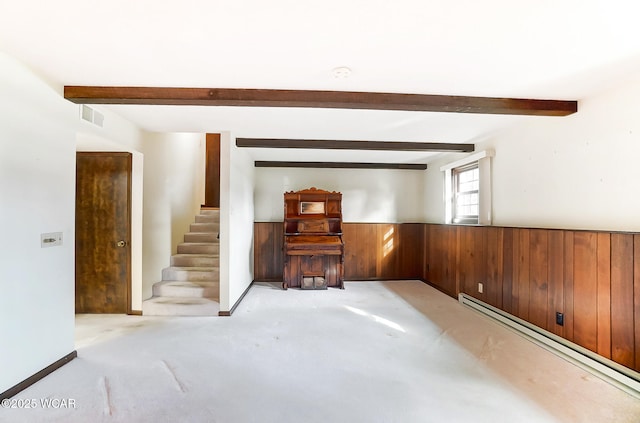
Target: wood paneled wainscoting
{"points": [[372, 251], [591, 277]]}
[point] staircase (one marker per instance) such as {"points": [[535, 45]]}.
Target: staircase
{"points": [[190, 286]]}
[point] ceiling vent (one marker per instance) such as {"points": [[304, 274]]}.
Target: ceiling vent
{"points": [[90, 115]]}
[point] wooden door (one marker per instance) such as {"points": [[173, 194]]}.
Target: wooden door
{"points": [[103, 232], [212, 171]]}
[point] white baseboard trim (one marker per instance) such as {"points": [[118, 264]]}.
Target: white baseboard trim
{"points": [[608, 370]]}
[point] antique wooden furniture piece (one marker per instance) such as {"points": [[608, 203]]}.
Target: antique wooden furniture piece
{"points": [[313, 247]]}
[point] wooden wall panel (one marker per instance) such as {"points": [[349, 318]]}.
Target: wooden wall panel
{"points": [[410, 252], [441, 261], [555, 279], [521, 273], [471, 260], [593, 278], [268, 242], [494, 247], [212, 171], [425, 251], [383, 251], [621, 330], [585, 289], [388, 254], [539, 276], [507, 272], [360, 251], [636, 297], [604, 295], [569, 241]]}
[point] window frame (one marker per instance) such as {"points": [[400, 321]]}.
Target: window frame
{"points": [[456, 194], [485, 209]]}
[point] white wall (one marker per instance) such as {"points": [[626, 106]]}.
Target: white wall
{"points": [[575, 172], [174, 174], [37, 195], [381, 195], [236, 221]]}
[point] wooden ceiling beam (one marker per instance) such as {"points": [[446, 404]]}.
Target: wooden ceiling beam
{"points": [[342, 165], [316, 99], [353, 145]]}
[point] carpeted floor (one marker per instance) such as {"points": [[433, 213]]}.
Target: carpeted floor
{"points": [[374, 352]]}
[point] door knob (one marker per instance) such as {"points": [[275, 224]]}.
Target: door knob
{"points": [[121, 243]]}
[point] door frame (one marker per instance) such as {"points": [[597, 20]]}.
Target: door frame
{"points": [[128, 281]]}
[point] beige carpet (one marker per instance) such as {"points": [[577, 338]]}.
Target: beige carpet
{"points": [[374, 352]]}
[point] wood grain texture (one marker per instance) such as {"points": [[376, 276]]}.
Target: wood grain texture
{"points": [[268, 243], [539, 276], [585, 290], [508, 270], [316, 99], [604, 294], [441, 261], [622, 329], [387, 251], [103, 220], [364, 246], [555, 279], [471, 265], [212, 171], [593, 278], [410, 253], [341, 165], [636, 298], [311, 144], [360, 251], [521, 283], [494, 245], [425, 252], [569, 242]]}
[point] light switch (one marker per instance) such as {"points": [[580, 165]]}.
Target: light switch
{"points": [[51, 239]]}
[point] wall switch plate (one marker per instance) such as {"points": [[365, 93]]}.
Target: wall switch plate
{"points": [[51, 239], [559, 318], [480, 287]]}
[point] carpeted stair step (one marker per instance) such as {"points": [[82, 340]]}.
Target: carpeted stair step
{"points": [[211, 212], [201, 237], [180, 306], [174, 273], [199, 248], [192, 289], [207, 218], [205, 227], [195, 260]]}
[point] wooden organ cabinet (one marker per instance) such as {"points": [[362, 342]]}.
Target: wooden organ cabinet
{"points": [[313, 247]]}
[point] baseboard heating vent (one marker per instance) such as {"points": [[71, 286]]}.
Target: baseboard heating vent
{"points": [[610, 371]]}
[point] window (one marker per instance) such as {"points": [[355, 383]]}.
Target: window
{"points": [[467, 189], [466, 197]]}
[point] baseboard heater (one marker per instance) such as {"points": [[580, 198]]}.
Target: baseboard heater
{"points": [[608, 370]]}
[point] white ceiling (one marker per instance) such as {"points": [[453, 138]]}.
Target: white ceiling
{"points": [[550, 49]]}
